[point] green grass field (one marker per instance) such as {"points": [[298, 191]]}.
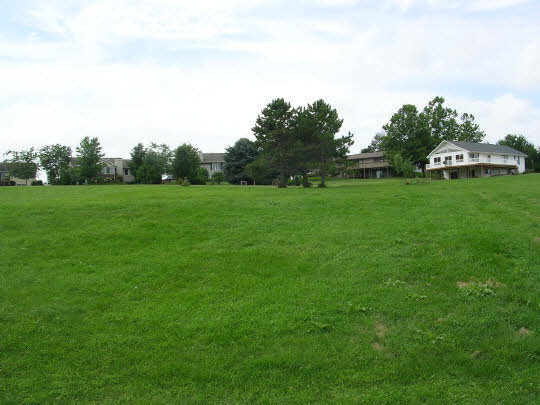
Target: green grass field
{"points": [[365, 292]]}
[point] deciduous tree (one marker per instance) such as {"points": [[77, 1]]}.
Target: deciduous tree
{"points": [[53, 159], [186, 162], [520, 143], [23, 164], [89, 154]]}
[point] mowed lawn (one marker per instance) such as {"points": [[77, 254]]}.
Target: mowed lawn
{"points": [[228, 294]]}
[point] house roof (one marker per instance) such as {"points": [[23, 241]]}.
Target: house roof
{"points": [[482, 148], [366, 155], [4, 167], [213, 157]]}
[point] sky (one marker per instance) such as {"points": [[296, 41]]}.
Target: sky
{"points": [[175, 71]]}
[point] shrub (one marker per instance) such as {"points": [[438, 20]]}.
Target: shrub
{"points": [[37, 183], [201, 178], [477, 290], [403, 165], [218, 177], [186, 182]]}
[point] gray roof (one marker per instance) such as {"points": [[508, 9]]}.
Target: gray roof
{"points": [[487, 148], [366, 155], [213, 157]]}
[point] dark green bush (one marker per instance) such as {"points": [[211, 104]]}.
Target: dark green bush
{"points": [[37, 183]]}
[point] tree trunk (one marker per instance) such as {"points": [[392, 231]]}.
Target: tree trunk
{"points": [[323, 182], [282, 180], [305, 179]]}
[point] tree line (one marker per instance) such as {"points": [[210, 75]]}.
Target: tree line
{"points": [[147, 164], [411, 135]]}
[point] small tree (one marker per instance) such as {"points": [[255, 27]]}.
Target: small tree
{"points": [[138, 153], [261, 171], [201, 178], [186, 162], [403, 165], [148, 174], [89, 156], [218, 177], [54, 158], [22, 164]]}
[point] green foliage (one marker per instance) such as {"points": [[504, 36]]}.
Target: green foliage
{"points": [[69, 176], [89, 154], [149, 164], [520, 143], [186, 162], [218, 177], [415, 134], [276, 136], [327, 150], [261, 171], [403, 166], [201, 178], [148, 173], [138, 154], [53, 159], [23, 164], [36, 183], [237, 157], [477, 291]]}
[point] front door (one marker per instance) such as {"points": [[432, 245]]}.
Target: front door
{"points": [[473, 173]]}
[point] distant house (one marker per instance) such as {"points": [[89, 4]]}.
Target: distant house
{"points": [[370, 165], [213, 162], [114, 168], [6, 178], [460, 160]]}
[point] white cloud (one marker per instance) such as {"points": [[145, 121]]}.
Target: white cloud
{"points": [[364, 62]]}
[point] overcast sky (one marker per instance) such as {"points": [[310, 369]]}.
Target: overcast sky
{"points": [[175, 71]]}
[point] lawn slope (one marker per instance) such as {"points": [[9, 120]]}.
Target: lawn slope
{"points": [[365, 292]]}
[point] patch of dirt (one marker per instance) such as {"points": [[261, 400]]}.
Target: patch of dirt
{"points": [[537, 239], [490, 282], [380, 330], [475, 354], [523, 332], [377, 346], [533, 201]]}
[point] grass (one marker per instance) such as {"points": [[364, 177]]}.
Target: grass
{"points": [[364, 292]]}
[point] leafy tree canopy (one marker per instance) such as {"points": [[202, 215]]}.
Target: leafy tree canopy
{"points": [[186, 162], [54, 158], [237, 157], [23, 164], [89, 154], [520, 143]]}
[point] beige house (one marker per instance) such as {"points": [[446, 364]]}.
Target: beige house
{"points": [[370, 165], [5, 178], [213, 162], [114, 168]]}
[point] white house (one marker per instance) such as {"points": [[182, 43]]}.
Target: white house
{"points": [[213, 162], [461, 160]]}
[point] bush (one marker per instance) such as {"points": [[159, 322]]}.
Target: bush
{"points": [[261, 171], [37, 183], [201, 178], [218, 177], [403, 166]]}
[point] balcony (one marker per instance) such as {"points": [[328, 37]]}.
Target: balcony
{"points": [[474, 160]]}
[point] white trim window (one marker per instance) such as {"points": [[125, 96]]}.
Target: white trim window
{"points": [[216, 166]]}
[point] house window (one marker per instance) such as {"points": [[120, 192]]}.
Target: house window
{"points": [[126, 172], [518, 160], [448, 160], [459, 157], [489, 156], [216, 166], [487, 171], [505, 157], [437, 160], [474, 155]]}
